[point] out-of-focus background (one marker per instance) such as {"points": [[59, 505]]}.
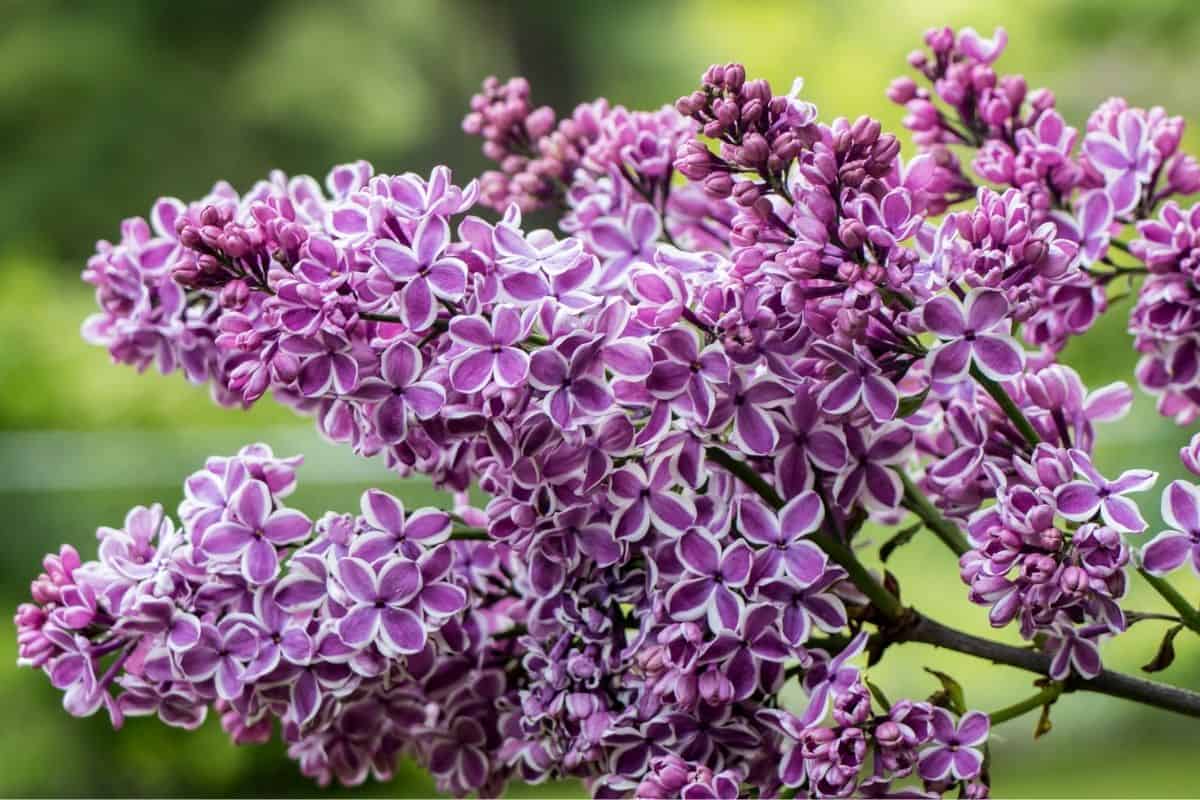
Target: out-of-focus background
{"points": [[106, 105]]}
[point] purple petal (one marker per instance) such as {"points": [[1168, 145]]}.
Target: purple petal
{"points": [[400, 364], [1077, 501], [805, 562], [443, 599], [359, 627], [512, 366], [286, 526], [841, 396], [382, 511], [688, 600], [391, 420], [672, 511], [252, 504], [1181, 506], [448, 278], [935, 763], [803, 514], [944, 317], [397, 260], [358, 579], [736, 563], [880, 397], [225, 539], [427, 525], [756, 523], [417, 308], [471, 372], [973, 728], [986, 308], [754, 429], [1122, 514], [1166, 552], [425, 398], [471, 331], [950, 361], [260, 562], [699, 553], [967, 763], [999, 357], [399, 582]]}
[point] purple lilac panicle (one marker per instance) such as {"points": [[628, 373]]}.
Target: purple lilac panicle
{"points": [[750, 335]]}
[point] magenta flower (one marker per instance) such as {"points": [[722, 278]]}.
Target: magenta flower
{"points": [[223, 653], [398, 391], [1074, 649], [804, 606], [1168, 550], [985, 51], [491, 351], [785, 548], [860, 381], [830, 678], [707, 589], [739, 652], [747, 404], [574, 385], [642, 500], [807, 443], [976, 331], [253, 532], [684, 372], [325, 363], [388, 530], [956, 752], [378, 609], [1080, 500], [419, 274], [1126, 158]]}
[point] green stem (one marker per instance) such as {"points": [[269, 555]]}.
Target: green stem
{"points": [[1046, 696], [1188, 614], [840, 553], [916, 502], [1010, 409], [469, 535]]}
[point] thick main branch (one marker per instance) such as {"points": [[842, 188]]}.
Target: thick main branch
{"points": [[901, 624]]}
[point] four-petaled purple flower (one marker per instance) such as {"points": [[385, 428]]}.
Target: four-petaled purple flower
{"points": [[785, 548], [491, 350], [398, 390], [254, 531], [1168, 550], [1080, 500], [1126, 159], [977, 331], [420, 273], [708, 588], [378, 605], [956, 752]]}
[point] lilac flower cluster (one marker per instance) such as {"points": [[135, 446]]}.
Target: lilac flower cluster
{"points": [[752, 337]]}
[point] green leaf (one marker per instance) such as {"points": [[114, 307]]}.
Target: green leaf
{"points": [[912, 403], [1166, 652], [879, 696], [903, 537], [952, 690], [1043, 723]]}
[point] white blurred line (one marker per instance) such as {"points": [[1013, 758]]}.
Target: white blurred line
{"points": [[72, 460]]}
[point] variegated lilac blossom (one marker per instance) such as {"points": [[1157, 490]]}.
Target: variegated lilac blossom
{"points": [[751, 338]]}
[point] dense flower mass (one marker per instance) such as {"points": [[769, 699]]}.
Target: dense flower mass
{"points": [[754, 333]]}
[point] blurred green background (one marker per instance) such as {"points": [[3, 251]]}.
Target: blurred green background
{"points": [[106, 105]]}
